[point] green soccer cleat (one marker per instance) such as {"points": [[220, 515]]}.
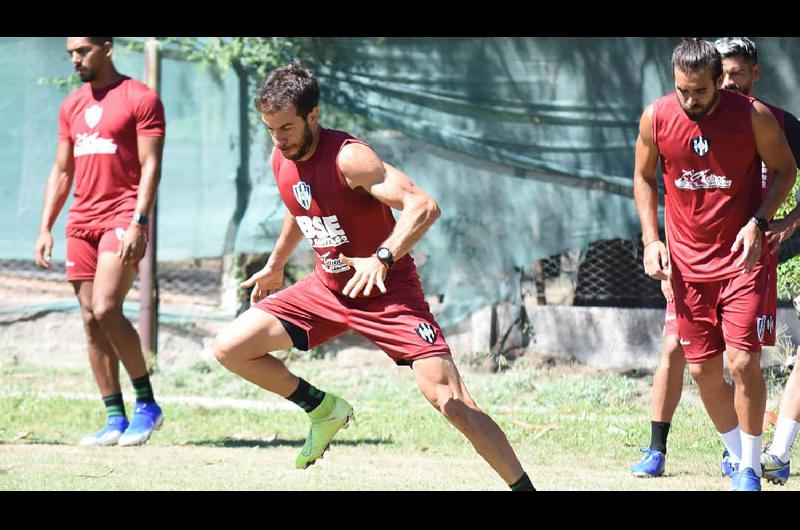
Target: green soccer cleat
{"points": [[332, 414]]}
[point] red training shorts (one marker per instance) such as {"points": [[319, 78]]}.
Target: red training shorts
{"points": [[398, 322], [85, 244], [711, 315], [670, 320]]}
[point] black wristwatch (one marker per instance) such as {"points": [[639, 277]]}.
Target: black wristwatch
{"points": [[139, 218], [385, 255], [761, 223]]}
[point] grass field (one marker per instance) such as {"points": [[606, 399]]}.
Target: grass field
{"points": [[574, 428]]}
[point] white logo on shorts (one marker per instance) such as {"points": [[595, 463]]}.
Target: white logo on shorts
{"points": [[70, 263], [426, 332], [684, 342], [764, 323], [120, 233]]}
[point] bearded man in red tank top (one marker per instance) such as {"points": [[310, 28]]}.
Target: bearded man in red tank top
{"points": [[339, 195], [741, 69], [710, 144]]}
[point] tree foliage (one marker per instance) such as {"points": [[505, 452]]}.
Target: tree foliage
{"points": [[789, 270]]}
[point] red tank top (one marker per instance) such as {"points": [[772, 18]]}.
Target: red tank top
{"points": [[334, 217], [712, 178]]}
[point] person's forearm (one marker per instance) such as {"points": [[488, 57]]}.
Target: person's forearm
{"points": [[645, 192], [779, 189], [288, 239], [148, 183], [416, 218], [56, 193]]}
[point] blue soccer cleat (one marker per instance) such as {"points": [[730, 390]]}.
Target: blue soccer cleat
{"points": [[110, 434], [773, 469], [745, 480], [728, 467], [652, 465], [147, 417]]}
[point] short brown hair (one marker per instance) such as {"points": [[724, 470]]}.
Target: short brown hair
{"points": [[290, 85]]}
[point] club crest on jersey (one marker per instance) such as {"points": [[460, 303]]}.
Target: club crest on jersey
{"points": [[426, 332], [302, 192], [764, 323], [700, 145], [92, 115]]}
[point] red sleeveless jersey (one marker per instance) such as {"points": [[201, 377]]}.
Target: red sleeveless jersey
{"points": [[712, 178], [334, 217]]}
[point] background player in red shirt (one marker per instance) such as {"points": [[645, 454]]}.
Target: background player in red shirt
{"points": [[740, 63], [711, 144], [740, 70], [339, 196], [110, 141]]}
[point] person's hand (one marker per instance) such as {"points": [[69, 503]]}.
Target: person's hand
{"points": [[749, 240], [370, 272], [666, 288], [43, 250], [656, 260], [134, 244], [266, 280], [778, 232]]}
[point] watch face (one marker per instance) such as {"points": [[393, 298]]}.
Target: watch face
{"points": [[383, 253]]}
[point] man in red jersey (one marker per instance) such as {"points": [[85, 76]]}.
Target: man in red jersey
{"points": [[740, 71], [710, 143], [339, 196], [110, 140], [740, 63]]}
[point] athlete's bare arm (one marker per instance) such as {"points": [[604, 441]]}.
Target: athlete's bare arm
{"points": [[270, 278], [55, 195], [150, 149], [782, 229], [645, 192], [774, 151], [362, 168]]}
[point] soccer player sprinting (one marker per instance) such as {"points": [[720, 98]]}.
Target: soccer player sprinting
{"points": [[339, 195]]}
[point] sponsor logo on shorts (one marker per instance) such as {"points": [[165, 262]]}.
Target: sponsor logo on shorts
{"points": [[322, 232], [700, 145], [669, 316], [426, 332], [684, 342], [120, 233], [701, 180], [764, 323], [70, 263], [302, 192]]}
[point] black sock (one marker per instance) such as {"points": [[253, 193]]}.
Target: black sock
{"points": [[114, 405], [658, 435], [523, 484], [306, 396], [143, 390]]}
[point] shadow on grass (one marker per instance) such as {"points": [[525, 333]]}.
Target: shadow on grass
{"points": [[37, 441], [279, 442], [637, 373]]}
